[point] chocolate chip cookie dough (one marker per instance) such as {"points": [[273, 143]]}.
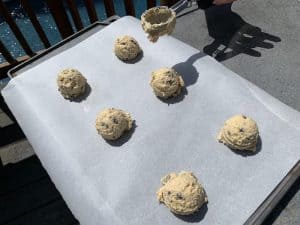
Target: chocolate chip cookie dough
{"points": [[127, 48], [71, 83], [239, 133], [166, 83], [182, 193], [158, 21], [112, 123]]}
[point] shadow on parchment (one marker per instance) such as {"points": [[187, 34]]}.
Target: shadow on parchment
{"points": [[124, 138], [137, 59], [186, 69], [195, 217], [84, 96], [249, 153], [189, 75], [175, 99]]}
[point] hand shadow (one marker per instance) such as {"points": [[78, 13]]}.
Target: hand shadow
{"points": [[234, 36]]}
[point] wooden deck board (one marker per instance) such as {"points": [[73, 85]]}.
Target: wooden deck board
{"points": [[28, 196], [27, 199], [15, 176], [55, 213], [12, 132]]}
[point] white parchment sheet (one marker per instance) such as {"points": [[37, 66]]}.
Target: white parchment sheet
{"points": [[116, 184]]}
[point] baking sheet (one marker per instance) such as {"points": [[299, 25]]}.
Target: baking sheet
{"points": [[116, 184]]}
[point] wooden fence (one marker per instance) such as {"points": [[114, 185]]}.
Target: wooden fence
{"points": [[58, 11]]}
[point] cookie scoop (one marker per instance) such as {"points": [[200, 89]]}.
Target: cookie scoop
{"points": [[158, 21]]}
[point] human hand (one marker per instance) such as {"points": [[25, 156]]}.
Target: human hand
{"points": [[222, 2]]}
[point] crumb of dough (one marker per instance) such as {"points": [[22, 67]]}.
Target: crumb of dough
{"points": [[112, 123], [239, 132], [158, 21], [166, 83], [127, 48], [71, 83], [182, 193]]}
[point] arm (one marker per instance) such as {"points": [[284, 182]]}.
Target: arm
{"points": [[203, 4]]}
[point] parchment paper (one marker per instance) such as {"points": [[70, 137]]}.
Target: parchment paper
{"points": [[116, 184]]}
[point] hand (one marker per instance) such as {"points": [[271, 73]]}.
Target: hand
{"points": [[222, 2]]}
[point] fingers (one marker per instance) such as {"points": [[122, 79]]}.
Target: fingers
{"points": [[271, 37]]}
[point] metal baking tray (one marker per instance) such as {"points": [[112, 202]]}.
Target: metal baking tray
{"points": [[267, 205]]}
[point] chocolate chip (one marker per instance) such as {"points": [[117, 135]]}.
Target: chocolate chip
{"points": [[170, 82], [245, 117], [115, 121], [179, 196], [242, 130]]}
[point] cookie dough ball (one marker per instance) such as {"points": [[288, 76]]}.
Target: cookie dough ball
{"points": [[71, 83], [158, 21], [127, 48], [182, 193], [112, 123], [166, 83], [239, 133]]}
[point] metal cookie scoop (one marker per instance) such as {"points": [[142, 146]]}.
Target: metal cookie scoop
{"points": [[158, 21], [161, 20]]}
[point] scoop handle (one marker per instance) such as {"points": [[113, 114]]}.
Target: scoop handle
{"points": [[181, 5]]}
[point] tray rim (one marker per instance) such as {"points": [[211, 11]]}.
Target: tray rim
{"points": [[264, 209], [11, 73]]}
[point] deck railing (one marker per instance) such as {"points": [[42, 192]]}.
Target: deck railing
{"points": [[58, 10]]}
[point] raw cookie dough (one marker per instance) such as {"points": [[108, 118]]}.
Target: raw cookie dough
{"points": [[182, 193], [71, 83], [158, 21], [166, 82], [112, 123], [127, 48], [239, 133]]}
